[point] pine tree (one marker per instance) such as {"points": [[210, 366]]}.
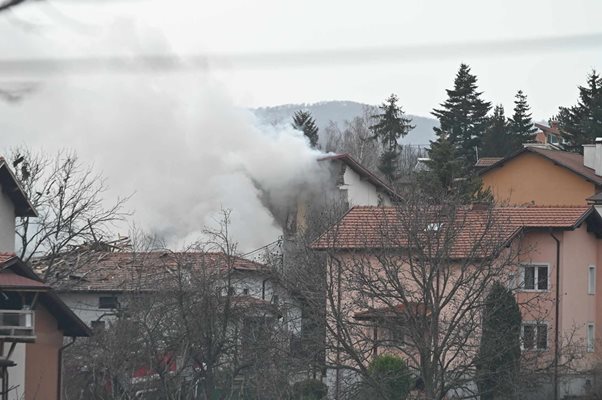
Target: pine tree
{"points": [[303, 121], [497, 140], [390, 125], [498, 360], [584, 120], [447, 176], [463, 116], [521, 124]]}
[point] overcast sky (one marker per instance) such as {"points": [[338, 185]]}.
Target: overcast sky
{"points": [[548, 73], [170, 128]]}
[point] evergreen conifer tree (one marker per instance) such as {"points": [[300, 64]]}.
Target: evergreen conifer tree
{"points": [[303, 121], [463, 116], [497, 140], [584, 121], [499, 353], [447, 176], [521, 124], [391, 124]]}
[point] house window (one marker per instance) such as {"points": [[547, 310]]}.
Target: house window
{"points": [[591, 279], [245, 291], [535, 277], [552, 139], [108, 302], [534, 336], [97, 325], [590, 337]]}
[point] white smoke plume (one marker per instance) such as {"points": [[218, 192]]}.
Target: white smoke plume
{"points": [[179, 145]]}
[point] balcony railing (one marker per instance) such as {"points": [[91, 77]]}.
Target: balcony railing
{"points": [[17, 325]]}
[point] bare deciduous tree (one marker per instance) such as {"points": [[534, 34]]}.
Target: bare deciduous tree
{"points": [[68, 196], [188, 332], [412, 280]]}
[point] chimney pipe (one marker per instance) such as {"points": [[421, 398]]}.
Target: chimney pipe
{"points": [[598, 156]]}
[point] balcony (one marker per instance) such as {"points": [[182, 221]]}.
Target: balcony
{"points": [[17, 326]]}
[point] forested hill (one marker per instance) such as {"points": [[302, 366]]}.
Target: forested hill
{"points": [[341, 111]]}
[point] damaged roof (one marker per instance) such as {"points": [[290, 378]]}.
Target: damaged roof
{"points": [[122, 271], [474, 228]]}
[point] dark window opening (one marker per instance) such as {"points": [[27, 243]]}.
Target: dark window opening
{"points": [[108, 302]]}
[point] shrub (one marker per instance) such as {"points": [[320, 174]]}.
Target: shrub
{"points": [[391, 375], [310, 389]]}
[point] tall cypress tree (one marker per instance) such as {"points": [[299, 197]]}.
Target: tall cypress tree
{"points": [[584, 120], [521, 124], [497, 140], [303, 121], [463, 116], [391, 124], [498, 360]]}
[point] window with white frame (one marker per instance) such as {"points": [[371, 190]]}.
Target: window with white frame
{"points": [[590, 337], [591, 279], [535, 277], [534, 336]]}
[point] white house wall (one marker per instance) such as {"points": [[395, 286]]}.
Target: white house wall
{"points": [[85, 304], [360, 191]]}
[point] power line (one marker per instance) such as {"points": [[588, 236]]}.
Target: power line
{"points": [[288, 59]]}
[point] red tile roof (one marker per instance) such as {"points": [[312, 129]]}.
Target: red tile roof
{"points": [[362, 171], [473, 228], [571, 161], [125, 271], [10, 280], [16, 275]]}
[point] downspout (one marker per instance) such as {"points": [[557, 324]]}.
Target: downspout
{"points": [[263, 288], [557, 316], [59, 392]]}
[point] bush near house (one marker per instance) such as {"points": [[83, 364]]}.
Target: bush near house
{"points": [[392, 376], [309, 389]]}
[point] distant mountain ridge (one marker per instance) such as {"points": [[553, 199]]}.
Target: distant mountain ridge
{"points": [[341, 111]]}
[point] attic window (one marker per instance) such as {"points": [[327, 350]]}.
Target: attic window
{"points": [[433, 227]]}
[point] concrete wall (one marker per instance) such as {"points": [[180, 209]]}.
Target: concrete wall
{"points": [[7, 224], [532, 179]]}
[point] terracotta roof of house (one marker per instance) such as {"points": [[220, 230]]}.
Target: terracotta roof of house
{"points": [[12, 281], [14, 191], [362, 171], [487, 161], [120, 271], [571, 161], [476, 231], [391, 312], [16, 275]]}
